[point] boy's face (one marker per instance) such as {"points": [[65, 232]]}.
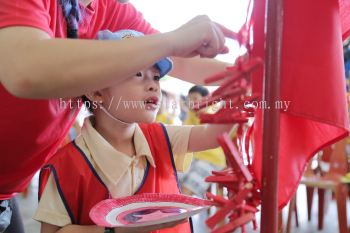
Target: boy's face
{"points": [[135, 99]]}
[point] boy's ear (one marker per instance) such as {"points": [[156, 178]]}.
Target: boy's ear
{"points": [[95, 96]]}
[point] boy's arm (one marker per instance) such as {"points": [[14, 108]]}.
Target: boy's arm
{"points": [[203, 137], [49, 228]]}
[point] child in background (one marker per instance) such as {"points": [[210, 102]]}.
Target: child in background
{"points": [[119, 153], [195, 95], [183, 108], [164, 115], [205, 161]]}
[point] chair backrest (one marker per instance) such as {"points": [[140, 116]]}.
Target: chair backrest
{"points": [[308, 170], [327, 153], [338, 160]]}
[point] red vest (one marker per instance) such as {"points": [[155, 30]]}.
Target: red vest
{"points": [[81, 188]]}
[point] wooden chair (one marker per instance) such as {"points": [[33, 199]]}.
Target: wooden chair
{"points": [[309, 175], [331, 180]]}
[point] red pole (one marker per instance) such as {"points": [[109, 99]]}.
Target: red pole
{"points": [[271, 93]]}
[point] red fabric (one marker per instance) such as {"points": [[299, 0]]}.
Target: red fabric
{"points": [[47, 16], [73, 173], [31, 130], [312, 79], [345, 17]]}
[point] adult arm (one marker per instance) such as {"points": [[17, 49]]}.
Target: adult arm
{"points": [[196, 69], [33, 65]]}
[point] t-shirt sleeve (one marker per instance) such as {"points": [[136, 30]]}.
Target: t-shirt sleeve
{"points": [[31, 13], [51, 208], [126, 16], [179, 137]]}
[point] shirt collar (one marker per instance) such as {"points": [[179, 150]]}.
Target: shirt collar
{"points": [[112, 162]]}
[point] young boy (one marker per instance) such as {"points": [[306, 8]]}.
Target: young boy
{"points": [[120, 152]]}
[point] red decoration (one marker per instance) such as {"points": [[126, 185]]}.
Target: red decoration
{"points": [[243, 197]]}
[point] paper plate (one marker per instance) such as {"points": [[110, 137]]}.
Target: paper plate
{"points": [[146, 210]]}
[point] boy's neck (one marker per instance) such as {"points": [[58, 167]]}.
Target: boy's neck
{"points": [[119, 135]]}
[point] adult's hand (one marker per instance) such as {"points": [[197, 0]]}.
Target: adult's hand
{"points": [[200, 36]]}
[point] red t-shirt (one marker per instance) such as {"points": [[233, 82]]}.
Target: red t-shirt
{"points": [[31, 130]]}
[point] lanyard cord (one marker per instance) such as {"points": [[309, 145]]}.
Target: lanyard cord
{"points": [[72, 15]]}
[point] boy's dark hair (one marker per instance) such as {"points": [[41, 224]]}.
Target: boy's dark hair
{"points": [[87, 103], [347, 55], [164, 93], [203, 91]]}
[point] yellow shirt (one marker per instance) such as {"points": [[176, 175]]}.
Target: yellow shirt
{"points": [[192, 119], [214, 156], [165, 119], [121, 173]]}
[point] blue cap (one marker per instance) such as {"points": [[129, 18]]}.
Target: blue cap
{"points": [[164, 65]]}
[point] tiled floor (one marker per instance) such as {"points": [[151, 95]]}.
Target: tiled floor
{"points": [[330, 218], [29, 204]]}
